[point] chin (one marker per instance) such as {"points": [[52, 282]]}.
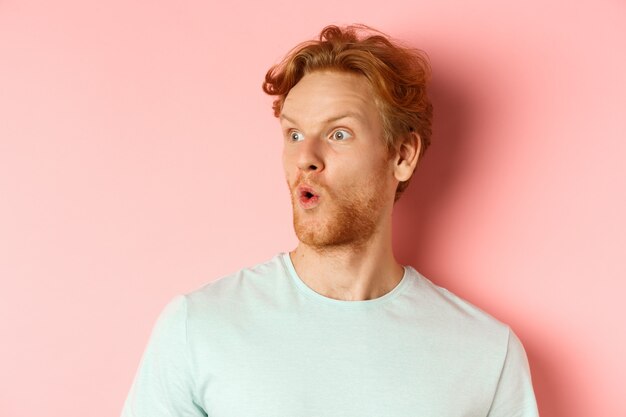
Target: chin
{"points": [[349, 222], [330, 234]]}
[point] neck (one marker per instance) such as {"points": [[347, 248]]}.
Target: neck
{"points": [[362, 271]]}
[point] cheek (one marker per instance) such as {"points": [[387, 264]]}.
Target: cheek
{"points": [[286, 161], [288, 170], [289, 156], [371, 174], [347, 176]]}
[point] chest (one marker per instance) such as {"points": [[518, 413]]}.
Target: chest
{"points": [[342, 369]]}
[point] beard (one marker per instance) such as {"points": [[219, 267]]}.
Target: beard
{"points": [[348, 218]]}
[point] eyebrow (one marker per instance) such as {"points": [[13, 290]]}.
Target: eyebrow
{"points": [[329, 120]]}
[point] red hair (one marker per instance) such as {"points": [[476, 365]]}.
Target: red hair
{"points": [[398, 75]]}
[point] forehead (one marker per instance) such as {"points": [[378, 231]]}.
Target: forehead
{"points": [[321, 95]]}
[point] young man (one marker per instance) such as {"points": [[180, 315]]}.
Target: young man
{"points": [[336, 327]]}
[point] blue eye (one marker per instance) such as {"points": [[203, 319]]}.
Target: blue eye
{"points": [[341, 135], [296, 136]]}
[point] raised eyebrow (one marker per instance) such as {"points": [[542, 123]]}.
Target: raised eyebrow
{"points": [[285, 117], [329, 120]]}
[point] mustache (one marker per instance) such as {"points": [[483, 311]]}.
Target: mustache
{"points": [[308, 182]]}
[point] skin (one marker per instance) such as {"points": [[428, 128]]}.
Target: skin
{"points": [[344, 250]]}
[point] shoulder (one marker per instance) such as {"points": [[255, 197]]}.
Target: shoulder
{"points": [[234, 291], [455, 316]]}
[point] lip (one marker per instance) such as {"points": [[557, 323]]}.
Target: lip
{"points": [[305, 202]]}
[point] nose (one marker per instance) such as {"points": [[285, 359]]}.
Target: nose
{"points": [[310, 156]]}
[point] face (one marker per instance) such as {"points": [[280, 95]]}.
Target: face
{"points": [[336, 163]]}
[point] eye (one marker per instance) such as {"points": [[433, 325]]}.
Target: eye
{"points": [[295, 136], [341, 134]]}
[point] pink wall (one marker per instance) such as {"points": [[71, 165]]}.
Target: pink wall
{"points": [[139, 159]]}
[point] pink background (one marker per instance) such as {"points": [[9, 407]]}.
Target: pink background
{"points": [[139, 159]]}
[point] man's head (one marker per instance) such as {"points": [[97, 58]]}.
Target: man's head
{"points": [[355, 119], [398, 76]]}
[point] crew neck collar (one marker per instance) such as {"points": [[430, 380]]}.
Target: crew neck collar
{"points": [[309, 292]]}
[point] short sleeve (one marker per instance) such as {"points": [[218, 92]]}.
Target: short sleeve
{"points": [[163, 384], [514, 396]]}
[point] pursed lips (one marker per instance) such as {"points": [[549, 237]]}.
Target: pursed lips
{"points": [[308, 197]]}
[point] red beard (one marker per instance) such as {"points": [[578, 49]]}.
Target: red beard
{"points": [[342, 219]]}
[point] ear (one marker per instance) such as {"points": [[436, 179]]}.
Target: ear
{"points": [[407, 154]]}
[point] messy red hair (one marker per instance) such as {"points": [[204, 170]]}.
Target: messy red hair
{"points": [[398, 75]]}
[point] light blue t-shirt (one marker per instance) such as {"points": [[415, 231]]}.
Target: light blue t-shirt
{"points": [[261, 343]]}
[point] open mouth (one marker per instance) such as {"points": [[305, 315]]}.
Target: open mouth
{"points": [[307, 197]]}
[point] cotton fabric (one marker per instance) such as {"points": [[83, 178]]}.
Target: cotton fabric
{"points": [[261, 343]]}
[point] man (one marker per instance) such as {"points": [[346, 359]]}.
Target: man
{"points": [[336, 327]]}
